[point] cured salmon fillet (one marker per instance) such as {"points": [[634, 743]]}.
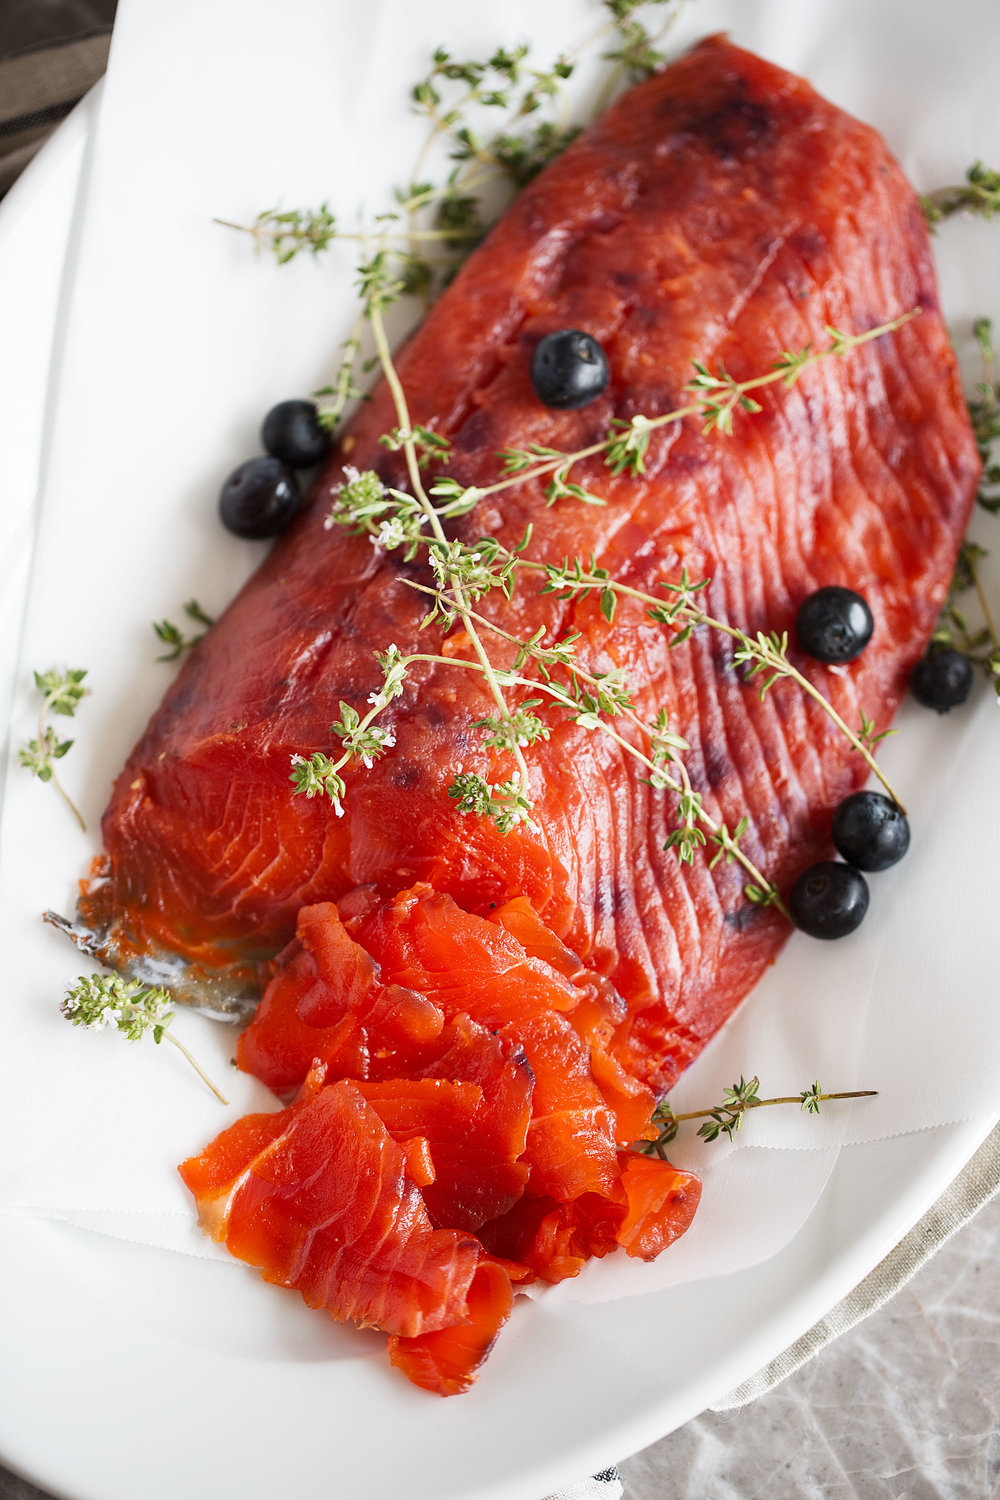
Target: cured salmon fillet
{"points": [[721, 211], [415, 1178]]}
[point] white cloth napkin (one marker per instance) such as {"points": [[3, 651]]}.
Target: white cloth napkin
{"points": [[604, 1486]]}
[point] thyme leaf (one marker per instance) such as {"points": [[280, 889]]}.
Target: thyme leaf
{"points": [[173, 636]]}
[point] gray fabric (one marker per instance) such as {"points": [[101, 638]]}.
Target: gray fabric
{"points": [[48, 61], [975, 1185]]}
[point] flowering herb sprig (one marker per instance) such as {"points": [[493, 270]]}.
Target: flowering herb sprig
{"points": [[97, 1001], [62, 692], [726, 1118], [318, 775]]}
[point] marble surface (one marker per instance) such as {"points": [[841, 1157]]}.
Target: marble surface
{"points": [[904, 1407]]}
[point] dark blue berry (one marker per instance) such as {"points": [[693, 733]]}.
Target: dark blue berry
{"points": [[870, 831], [834, 624], [259, 498], [292, 432], [829, 900], [569, 369], [941, 680]]}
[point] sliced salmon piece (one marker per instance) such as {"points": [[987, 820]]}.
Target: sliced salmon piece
{"points": [[463, 963], [650, 1205], [448, 1362], [425, 941], [661, 1202], [553, 1240], [474, 1178], [597, 1017], [325, 1003], [325, 1205]]}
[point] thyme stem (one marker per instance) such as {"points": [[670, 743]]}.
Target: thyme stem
{"points": [[47, 702], [706, 1114], [420, 494], [168, 1036]]}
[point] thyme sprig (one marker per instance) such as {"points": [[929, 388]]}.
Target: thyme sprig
{"points": [[62, 692], [717, 396], [499, 121], [726, 1118], [979, 645], [344, 389], [590, 699], [450, 573], [978, 194], [173, 635], [96, 1001], [764, 655]]}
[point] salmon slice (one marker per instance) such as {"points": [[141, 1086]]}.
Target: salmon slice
{"points": [[473, 1177], [448, 1362], [650, 1205], [455, 958], [597, 1018], [358, 1193], [324, 1002], [721, 211], [318, 1199]]}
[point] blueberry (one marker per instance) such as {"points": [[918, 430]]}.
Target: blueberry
{"points": [[292, 432], [941, 680], [870, 831], [829, 900], [834, 624], [569, 369], [259, 498]]}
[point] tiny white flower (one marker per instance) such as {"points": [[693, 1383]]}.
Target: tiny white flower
{"points": [[377, 700]]}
